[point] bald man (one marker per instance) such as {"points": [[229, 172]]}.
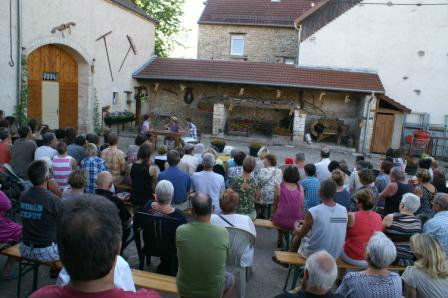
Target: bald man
{"points": [[438, 225], [104, 183]]}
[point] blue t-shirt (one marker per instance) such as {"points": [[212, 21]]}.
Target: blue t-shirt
{"points": [[343, 198], [181, 182]]}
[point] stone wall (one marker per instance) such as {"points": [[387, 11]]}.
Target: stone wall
{"points": [[262, 44]]}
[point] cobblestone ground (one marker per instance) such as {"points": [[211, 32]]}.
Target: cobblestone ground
{"points": [[268, 278]]}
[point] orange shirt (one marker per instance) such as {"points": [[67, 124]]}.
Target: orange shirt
{"points": [[5, 153]]}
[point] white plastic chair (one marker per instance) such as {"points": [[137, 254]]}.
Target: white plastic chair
{"points": [[239, 240]]}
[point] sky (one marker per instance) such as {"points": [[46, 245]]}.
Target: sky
{"points": [[189, 39]]}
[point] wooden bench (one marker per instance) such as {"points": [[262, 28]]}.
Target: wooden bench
{"points": [[14, 251], [154, 281]]}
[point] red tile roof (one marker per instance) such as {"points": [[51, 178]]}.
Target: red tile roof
{"points": [[130, 5], [255, 12], [259, 73]]}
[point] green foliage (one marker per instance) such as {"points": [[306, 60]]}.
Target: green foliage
{"points": [[22, 106], [255, 146], [168, 13]]}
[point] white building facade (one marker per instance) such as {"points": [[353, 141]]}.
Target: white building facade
{"points": [[406, 44], [69, 67]]}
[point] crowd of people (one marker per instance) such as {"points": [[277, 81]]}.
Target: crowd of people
{"points": [[70, 210]]}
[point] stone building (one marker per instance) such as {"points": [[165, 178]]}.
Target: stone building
{"points": [[69, 66]]}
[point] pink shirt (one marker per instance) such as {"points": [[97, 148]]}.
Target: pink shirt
{"points": [[62, 169], [68, 292]]}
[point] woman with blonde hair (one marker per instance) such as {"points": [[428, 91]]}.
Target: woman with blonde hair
{"points": [[429, 275], [426, 191]]}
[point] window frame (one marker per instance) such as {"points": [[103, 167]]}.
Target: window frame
{"points": [[239, 37]]}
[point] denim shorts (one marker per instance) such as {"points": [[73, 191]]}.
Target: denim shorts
{"points": [[45, 254]]}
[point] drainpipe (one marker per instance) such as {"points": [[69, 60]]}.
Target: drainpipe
{"points": [[19, 50], [299, 37], [367, 122]]}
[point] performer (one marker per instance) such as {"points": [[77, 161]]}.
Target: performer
{"points": [[192, 132], [146, 126], [173, 126]]}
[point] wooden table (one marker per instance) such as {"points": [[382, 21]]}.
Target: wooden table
{"points": [[166, 133]]}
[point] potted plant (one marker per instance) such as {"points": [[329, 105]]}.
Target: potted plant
{"points": [[219, 144], [254, 148]]}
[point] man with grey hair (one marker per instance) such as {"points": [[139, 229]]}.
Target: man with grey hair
{"points": [[322, 172], [46, 152], [438, 225], [189, 162], [164, 193], [300, 164], [209, 182], [318, 279], [393, 193]]}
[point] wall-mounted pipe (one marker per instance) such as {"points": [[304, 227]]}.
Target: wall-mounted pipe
{"points": [[299, 37], [367, 116], [19, 51]]}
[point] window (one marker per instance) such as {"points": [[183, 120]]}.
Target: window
{"points": [[115, 98], [291, 61], [237, 45]]}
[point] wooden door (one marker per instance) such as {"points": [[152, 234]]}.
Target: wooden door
{"points": [[54, 60], [383, 132]]}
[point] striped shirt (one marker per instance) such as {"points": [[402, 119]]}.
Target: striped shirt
{"points": [[193, 131], [62, 169], [311, 187]]}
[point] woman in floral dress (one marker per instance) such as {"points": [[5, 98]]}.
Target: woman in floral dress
{"points": [[269, 179]]}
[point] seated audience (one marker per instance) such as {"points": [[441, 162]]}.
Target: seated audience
{"points": [[160, 158], [33, 125], [322, 172], [394, 192], [367, 179], [114, 157], [70, 135], [439, 180], [209, 182], [429, 275], [229, 202], [397, 158], [400, 226], [437, 226], [76, 150], [93, 139], [311, 186], [133, 149], [39, 211], [197, 152], [5, 145], [237, 170], [92, 165], [334, 165], [203, 275], [354, 183], [189, 162], [426, 164], [383, 179], [324, 227], [426, 191], [46, 152], [62, 165], [376, 281], [362, 224], [269, 178], [320, 274], [89, 239], [261, 154], [342, 196], [105, 144], [247, 188], [299, 161], [77, 182], [60, 134], [22, 152], [180, 180], [10, 233], [143, 177]]}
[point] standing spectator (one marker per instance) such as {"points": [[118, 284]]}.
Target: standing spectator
{"points": [[376, 281], [22, 152], [429, 275], [229, 202], [46, 152], [324, 227], [299, 161], [426, 191], [105, 144], [10, 233], [426, 164], [394, 192], [261, 154], [143, 177], [209, 182], [399, 227], [362, 224], [269, 178], [140, 139], [5, 146], [311, 186], [62, 165], [114, 157], [60, 134], [203, 275], [70, 135], [237, 170], [92, 165], [247, 188], [90, 254], [397, 158], [437, 226], [383, 179], [197, 152], [322, 172], [439, 180], [189, 162], [320, 274], [77, 182], [367, 179], [354, 183], [93, 139], [342, 196], [146, 126], [39, 210], [77, 150], [288, 202], [180, 180], [33, 125]]}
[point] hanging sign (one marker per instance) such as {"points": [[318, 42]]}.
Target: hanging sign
{"points": [[50, 76]]}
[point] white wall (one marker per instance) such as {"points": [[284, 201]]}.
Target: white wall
{"points": [[387, 39], [93, 18]]}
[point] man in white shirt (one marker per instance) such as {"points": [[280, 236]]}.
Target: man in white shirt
{"points": [[322, 172], [46, 152], [189, 162], [209, 182]]}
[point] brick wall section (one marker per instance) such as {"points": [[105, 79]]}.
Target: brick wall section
{"points": [[262, 44]]}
